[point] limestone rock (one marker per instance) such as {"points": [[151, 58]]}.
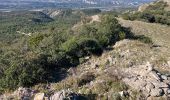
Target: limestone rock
{"points": [[149, 87], [143, 7], [160, 84], [164, 77], [168, 63], [87, 58], [168, 91], [64, 94], [23, 93], [156, 92], [39, 96], [154, 75], [58, 96], [146, 92], [110, 60], [123, 93], [168, 78], [146, 79], [149, 67], [157, 98]]}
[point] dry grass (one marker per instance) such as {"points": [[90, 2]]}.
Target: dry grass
{"points": [[168, 2], [160, 36], [159, 33]]}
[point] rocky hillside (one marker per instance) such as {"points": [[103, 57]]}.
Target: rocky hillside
{"points": [[167, 1], [142, 75], [168, 8], [127, 70], [143, 7]]}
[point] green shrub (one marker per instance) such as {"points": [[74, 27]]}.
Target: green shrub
{"points": [[144, 39], [116, 96], [86, 78], [26, 73], [81, 47], [73, 49], [52, 52], [148, 17], [128, 16], [34, 41], [118, 86], [91, 11], [107, 32]]}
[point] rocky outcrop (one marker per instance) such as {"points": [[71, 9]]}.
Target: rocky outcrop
{"points": [[126, 62], [143, 7], [28, 94], [20, 94], [52, 12], [147, 80], [39, 96], [64, 95]]}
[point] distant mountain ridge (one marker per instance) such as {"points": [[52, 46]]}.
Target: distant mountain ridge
{"points": [[4, 4]]}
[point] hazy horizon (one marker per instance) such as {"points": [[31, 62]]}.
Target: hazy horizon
{"points": [[34, 4]]}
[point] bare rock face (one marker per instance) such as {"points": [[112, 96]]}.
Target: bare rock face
{"points": [[164, 77], [64, 95], [39, 96], [149, 87], [154, 75], [23, 93], [28, 94], [168, 62], [58, 96], [20, 94], [156, 92], [143, 7], [146, 79]]}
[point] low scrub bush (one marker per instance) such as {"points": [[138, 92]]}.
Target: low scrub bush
{"points": [[48, 54], [86, 78]]}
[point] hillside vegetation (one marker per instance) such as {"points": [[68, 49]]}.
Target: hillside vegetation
{"points": [[153, 13], [158, 33], [52, 47], [85, 54]]}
